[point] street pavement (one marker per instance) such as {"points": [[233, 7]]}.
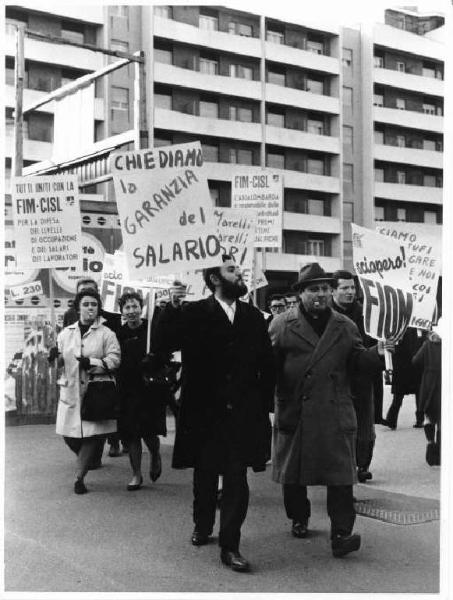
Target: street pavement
{"points": [[112, 540]]}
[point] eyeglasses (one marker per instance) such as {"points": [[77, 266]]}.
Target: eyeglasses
{"points": [[278, 306]]}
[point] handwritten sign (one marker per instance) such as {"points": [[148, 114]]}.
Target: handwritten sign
{"points": [[383, 271], [26, 290], [262, 191], [47, 222], [163, 202], [424, 254]]}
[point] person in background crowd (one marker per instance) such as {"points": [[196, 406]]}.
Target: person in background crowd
{"points": [[142, 412], [113, 322], [316, 351], [86, 349], [277, 305], [429, 359], [406, 378], [344, 301], [291, 300], [227, 391]]}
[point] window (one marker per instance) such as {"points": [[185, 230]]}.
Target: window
{"points": [[315, 247], [401, 177], [430, 217], [241, 156], [72, 35], [378, 174], [9, 75], [401, 103], [275, 119], [161, 142], [401, 66], [119, 10], [276, 78], [379, 213], [163, 11], [209, 23], [239, 113], [315, 166], [347, 57], [163, 101], [347, 136], [378, 137], [315, 207], [209, 109], [315, 86], [429, 180], [348, 212], [209, 67], [401, 214], [315, 126], [348, 172], [215, 196], [163, 56], [241, 71], [401, 141], [275, 160], [232, 27], [347, 96], [244, 30], [379, 62], [276, 37], [120, 98], [378, 100], [429, 72], [429, 109], [315, 47], [119, 45], [429, 145], [210, 153]]}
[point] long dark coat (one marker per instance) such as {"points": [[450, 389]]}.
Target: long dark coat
{"points": [[315, 422], [223, 364], [429, 360]]}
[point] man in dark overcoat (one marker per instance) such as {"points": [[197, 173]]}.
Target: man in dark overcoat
{"points": [[344, 301], [226, 395], [317, 350]]}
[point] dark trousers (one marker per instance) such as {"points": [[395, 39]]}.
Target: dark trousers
{"points": [[378, 398], [394, 409], [340, 506]]}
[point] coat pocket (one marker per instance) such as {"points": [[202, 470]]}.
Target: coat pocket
{"points": [[347, 419]]}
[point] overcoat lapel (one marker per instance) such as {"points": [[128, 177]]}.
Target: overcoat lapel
{"points": [[328, 339], [300, 327]]}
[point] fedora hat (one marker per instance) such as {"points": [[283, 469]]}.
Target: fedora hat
{"points": [[311, 273]]}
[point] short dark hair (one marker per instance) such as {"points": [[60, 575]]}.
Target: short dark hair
{"points": [[337, 275], [291, 295], [214, 271], [86, 280], [277, 297], [89, 292], [130, 296]]}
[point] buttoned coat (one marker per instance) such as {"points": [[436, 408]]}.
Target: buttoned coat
{"points": [[98, 343], [227, 370], [315, 425]]}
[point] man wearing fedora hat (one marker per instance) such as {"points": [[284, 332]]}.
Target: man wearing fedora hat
{"points": [[317, 351]]}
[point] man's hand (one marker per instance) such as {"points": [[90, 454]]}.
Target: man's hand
{"points": [[388, 345], [84, 362]]}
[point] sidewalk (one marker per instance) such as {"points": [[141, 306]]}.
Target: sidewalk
{"points": [[112, 540]]}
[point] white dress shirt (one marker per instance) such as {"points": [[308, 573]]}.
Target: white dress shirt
{"points": [[230, 311]]}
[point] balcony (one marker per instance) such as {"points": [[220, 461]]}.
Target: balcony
{"points": [[408, 118], [279, 94], [408, 193], [33, 150], [410, 156], [397, 39], [302, 58], [55, 54], [407, 81], [292, 179], [279, 261], [217, 84], [217, 40], [315, 223], [293, 138], [32, 96], [224, 128], [88, 13]]}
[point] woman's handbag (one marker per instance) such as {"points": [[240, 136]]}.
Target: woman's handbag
{"points": [[101, 401]]}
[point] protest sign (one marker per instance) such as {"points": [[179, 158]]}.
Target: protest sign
{"points": [[26, 290], [13, 275], [383, 271], [263, 191], [424, 254], [47, 225], [163, 202]]}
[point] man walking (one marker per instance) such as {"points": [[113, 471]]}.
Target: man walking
{"points": [[315, 425], [226, 395]]}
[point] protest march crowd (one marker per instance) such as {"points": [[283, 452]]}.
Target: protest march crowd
{"points": [[309, 362]]}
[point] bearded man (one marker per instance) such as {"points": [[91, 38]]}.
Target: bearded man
{"points": [[226, 395]]}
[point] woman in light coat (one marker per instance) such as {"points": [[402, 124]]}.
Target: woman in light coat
{"points": [[85, 349]]}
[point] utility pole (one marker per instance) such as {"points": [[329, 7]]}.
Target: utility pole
{"points": [[19, 72]]}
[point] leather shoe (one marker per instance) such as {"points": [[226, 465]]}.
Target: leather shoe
{"points": [[343, 544], [132, 487], [80, 487], [199, 539], [299, 529], [363, 475], [233, 559]]}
